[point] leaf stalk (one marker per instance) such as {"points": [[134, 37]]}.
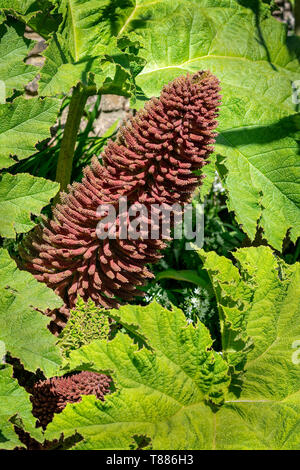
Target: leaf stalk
{"points": [[66, 153]]}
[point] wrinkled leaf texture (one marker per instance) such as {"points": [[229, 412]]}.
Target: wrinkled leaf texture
{"points": [[165, 389], [257, 63]]}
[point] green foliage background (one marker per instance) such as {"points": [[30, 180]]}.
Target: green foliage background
{"points": [[208, 359]]}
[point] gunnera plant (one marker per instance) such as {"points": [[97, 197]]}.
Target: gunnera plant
{"points": [[52, 395], [156, 159]]}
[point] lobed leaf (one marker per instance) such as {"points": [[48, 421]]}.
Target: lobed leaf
{"points": [[20, 196], [273, 322], [23, 329], [234, 297], [37, 14], [87, 49], [14, 48], [260, 301], [257, 120], [15, 407], [161, 387], [23, 123], [26, 8], [164, 389]]}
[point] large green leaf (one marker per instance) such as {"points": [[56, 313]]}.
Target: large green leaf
{"points": [[179, 372], [15, 408], [237, 426], [22, 328], [256, 63], [83, 27], [20, 196], [261, 302], [234, 297], [14, 48], [37, 14], [179, 348], [86, 49], [273, 323], [164, 390], [26, 8], [59, 73], [265, 410], [24, 123]]}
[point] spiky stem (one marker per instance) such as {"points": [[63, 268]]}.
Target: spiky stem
{"points": [[66, 153]]}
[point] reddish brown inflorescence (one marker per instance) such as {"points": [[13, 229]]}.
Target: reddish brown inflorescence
{"points": [[152, 161], [52, 395]]}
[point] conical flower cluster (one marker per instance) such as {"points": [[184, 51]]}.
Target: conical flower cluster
{"points": [[153, 161], [52, 395]]}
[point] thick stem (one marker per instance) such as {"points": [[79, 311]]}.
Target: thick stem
{"points": [[89, 127], [66, 153]]}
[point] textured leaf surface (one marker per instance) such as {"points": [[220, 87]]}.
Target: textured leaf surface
{"points": [[86, 49], [14, 48], [23, 329], [70, 55], [233, 296], [14, 403], [260, 301], [20, 196], [161, 393], [256, 72], [173, 341], [274, 325], [259, 307], [23, 124], [23, 7], [159, 387], [37, 14]]}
